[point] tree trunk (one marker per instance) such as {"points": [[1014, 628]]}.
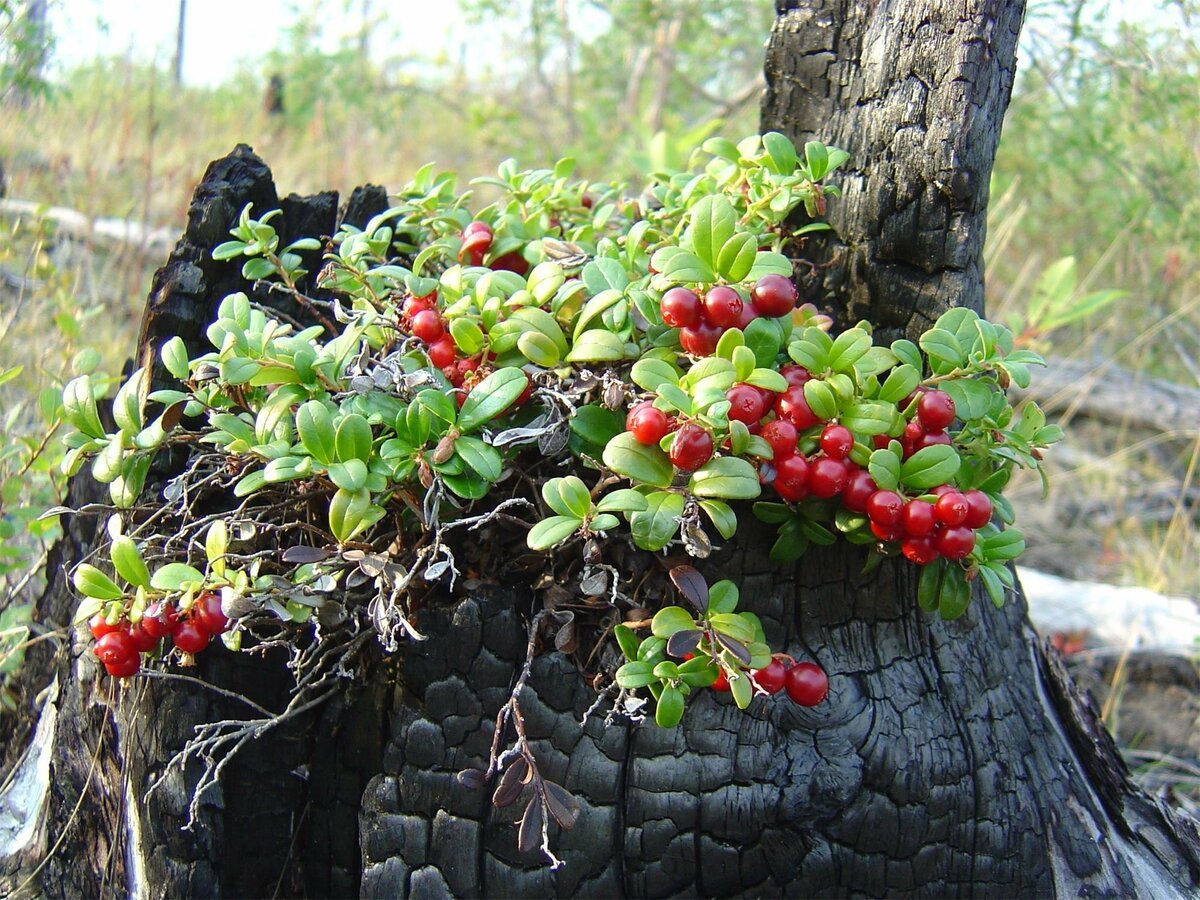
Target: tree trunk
{"points": [[950, 759]]}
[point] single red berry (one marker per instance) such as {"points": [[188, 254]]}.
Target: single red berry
{"points": [[476, 240], [511, 262], [414, 305], [427, 326], [701, 340], [920, 550], [749, 314], [692, 448], [979, 509], [806, 683], [142, 638], [792, 474], [951, 508], [795, 375], [781, 435], [125, 669], [211, 615], [771, 676], [99, 627], [887, 532], [827, 478], [680, 308], [935, 409], [918, 518], [723, 306], [160, 619], [116, 648], [647, 424], [722, 682], [191, 636], [587, 201], [442, 352], [913, 395], [793, 406], [746, 404], [774, 295], [859, 488], [837, 441], [931, 439], [956, 542], [885, 507]]}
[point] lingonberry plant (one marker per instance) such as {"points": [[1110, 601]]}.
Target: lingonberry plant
{"points": [[616, 371]]}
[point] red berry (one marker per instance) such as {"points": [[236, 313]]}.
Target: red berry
{"points": [[827, 478], [956, 542], [858, 490], [723, 306], [191, 636], [921, 550], [692, 448], [700, 340], [211, 615], [781, 435], [792, 405], [746, 404], [795, 375], [160, 619], [476, 240], [722, 682], [930, 439], [647, 424], [142, 638], [887, 532], [774, 296], [427, 326], [918, 518], [791, 478], [99, 626], [935, 409], [124, 669], [806, 683], [885, 507], [749, 314], [771, 677], [951, 508], [837, 441], [680, 308], [511, 262], [116, 648], [414, 305], [442, 352], [979, 509]]}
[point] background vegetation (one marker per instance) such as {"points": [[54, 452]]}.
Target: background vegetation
{"points": [[1100, 162]]}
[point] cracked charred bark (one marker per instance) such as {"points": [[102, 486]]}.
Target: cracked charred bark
{"points": [[950, 759]]}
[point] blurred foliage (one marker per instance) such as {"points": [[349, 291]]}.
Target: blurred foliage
{"points": [[25, 45]]}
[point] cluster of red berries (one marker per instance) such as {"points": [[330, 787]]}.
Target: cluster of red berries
{"points": [[805, 683], [477, 240], [120, 646], [419, 316], [701, 322]]}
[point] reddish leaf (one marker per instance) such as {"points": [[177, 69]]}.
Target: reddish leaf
{"points": [[681, 643], [691, 585], [737, 648], [563, 805], [512, 782], [530, 835]]}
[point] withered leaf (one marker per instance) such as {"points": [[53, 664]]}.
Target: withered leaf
{"points": [[737, 648], [684, 642], [512, 782], [530, 835], [691, 585], [303, 555], [563, 805], [472, 779]]}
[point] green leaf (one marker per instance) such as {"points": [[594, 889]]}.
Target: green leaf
{"points": [[942, 346], [467, 334], [1007, 544], [955, 595], [481, 458], [767, 262], [175, 357], [874, 361], [849, 347], [249, 483], [723, 597], [929, 467], [491, 397], [736, 257], [543, 323], [726, 478], [658, 523], [539, 349], [623, 500], [349, 476], [216, 545], [597, 425], [782, 153], [128, 562], [712, 223], [723, 518], [671, 619], [901, 382], [764, 337], [817, 158], [348, 513], [993, 585], [821, 399], [636, 674], [741, 689], [650, 373], [352, 440], [604, 522], [732, 625], [91, 582], [906, 351], [884, 467], [670, 707], [972, 397], [174, 576], [552, 531], [314, 426], [929, 587], [640, 463], [79, 407], [870, 417], [597, 345], [603, 274], [627, 641], [567, 496]]}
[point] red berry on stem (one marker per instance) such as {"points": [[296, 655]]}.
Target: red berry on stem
{"points": [[795, 375], [858, 490], [806, 683], [837, 441], [722, 682], [918, 518], [723, 306], [956, 542], [442, 352], [99, 626], [700, 340], [921, 550], [680, 308], [932, 438], [414, 305], [647, 424], [427, 326], [191, 636], [771, 677], [124, 669], [781, 435], [979, 509], [827, 478], [142, 638], [792, 406], [774, 295], [746, 404], [511, 262], [211, 615], [749, 314], [116, 650], [885, 507], [887, 532], [792, 475], [935, 409], [692, 448], [160, 619], [951, 508]]}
